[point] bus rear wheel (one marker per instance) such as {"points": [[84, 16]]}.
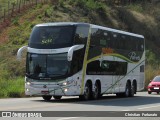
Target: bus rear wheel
{"points": [[57, 97], [119, 94], [132, 90], [127, 90], [46, 97], [96, 93]]}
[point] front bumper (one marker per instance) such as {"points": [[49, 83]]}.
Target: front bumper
{"points": [[54, 90], [154, 89]]}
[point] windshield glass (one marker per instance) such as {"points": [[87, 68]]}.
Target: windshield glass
{"points": [[47, 66], [156, 79], [51, 37]]}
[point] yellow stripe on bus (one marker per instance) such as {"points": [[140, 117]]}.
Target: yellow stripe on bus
{"points": [[85, 61]]}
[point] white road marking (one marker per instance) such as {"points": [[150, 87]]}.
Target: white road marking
{"points": [[68, 118], [148, 107], [125, 110]]}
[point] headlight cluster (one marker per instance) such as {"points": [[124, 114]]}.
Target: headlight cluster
{"points": [[28, 81], [150, 84]]}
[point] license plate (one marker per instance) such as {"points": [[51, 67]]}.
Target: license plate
{"points": [[156, 88]]}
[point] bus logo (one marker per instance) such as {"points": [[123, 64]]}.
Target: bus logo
{"points": [[134, 56]]}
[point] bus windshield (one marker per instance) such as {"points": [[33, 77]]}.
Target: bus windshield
{"points": [[47, 66], [50, 37]]}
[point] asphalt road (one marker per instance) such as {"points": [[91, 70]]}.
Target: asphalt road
{"points": [[114, 105]]}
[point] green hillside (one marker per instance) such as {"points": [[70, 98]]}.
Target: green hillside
{"points": [[141, 18]]}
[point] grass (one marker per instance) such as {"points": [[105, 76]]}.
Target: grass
{"points": [[12, 88], [136, 7], [12, 72]]}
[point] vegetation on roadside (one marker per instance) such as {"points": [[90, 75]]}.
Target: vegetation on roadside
{"points": [[136, 18]]}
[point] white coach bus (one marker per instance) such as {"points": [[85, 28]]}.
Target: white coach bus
{"points": [[85, 60]]}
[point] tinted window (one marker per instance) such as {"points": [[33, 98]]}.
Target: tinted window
{"points": [[107, 68], [81, 34], [115, 40], [51, 37], [47, 66], [156, 79], [77, 61], [142, 68]]}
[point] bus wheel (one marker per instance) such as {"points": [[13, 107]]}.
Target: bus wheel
{"points": [[119, 94], [87, 92], [132, 91], [57, 97], [96, 92], [127, 90], [47, 97]]}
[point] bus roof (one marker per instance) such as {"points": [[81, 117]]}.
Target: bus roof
{"points": [[62, 24], [117, 31], [92, 25]]}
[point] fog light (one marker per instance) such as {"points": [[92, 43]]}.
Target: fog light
{"points": [[27, 90], [65, 90]]}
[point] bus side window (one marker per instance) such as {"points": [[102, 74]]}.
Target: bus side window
{"points": [[142, 68], [81, 35]]}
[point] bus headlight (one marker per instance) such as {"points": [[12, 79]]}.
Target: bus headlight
{"points": [[64, 83], [28, 83]]}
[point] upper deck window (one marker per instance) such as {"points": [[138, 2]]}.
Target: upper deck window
{"points": [[49, 37]]}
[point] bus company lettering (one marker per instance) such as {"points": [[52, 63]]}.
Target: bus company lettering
{"points": [[133, 56], [107, 50]]}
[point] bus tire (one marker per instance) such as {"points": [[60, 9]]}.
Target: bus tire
{"points": [[47, 97], [96, 92], [57, 97], [119, 94], [127, 90], [87, 92], [132, 90]]}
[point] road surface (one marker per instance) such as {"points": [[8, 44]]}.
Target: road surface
{"points": [[114, 105]]}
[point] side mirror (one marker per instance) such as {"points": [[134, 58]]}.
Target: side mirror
{"points": [[71, 49], [19, 53]]}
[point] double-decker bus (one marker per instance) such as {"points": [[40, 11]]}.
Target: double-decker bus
{"points": [[85, 60]]}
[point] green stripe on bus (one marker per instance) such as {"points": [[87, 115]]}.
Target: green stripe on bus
{"points": [[114, 55]]}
